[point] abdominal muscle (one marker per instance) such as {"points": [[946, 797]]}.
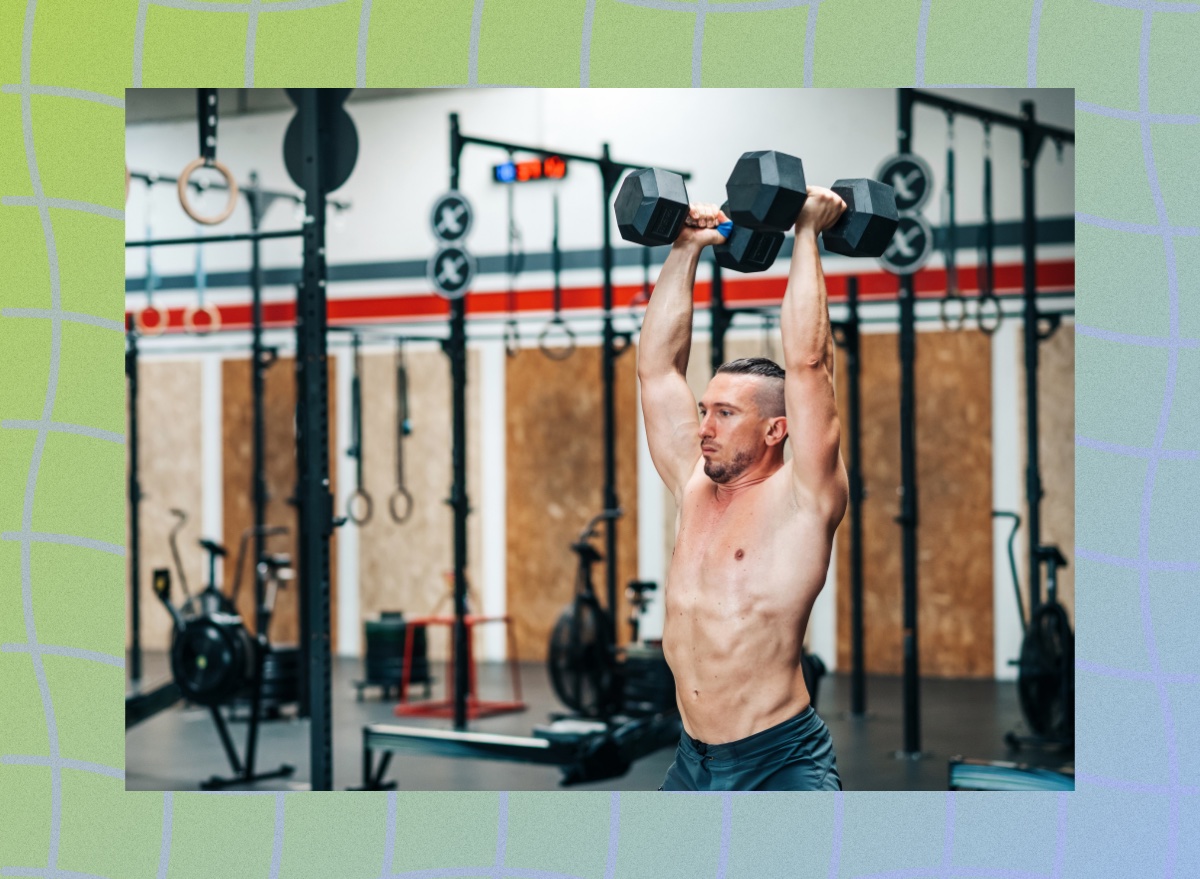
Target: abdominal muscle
{"points": [[743, 579]]}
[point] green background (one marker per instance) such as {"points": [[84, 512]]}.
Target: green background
{"points": [[64, 65]]}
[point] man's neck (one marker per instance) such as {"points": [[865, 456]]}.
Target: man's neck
{"points": [[752, 476]]}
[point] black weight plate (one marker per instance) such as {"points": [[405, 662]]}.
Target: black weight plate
{"points": [[1045, 684], [339, 152]]}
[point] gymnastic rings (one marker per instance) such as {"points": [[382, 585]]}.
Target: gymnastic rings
{"points": [[400, 505], [560, 352], [211, 325], [154, 327], [988, 322], [953, 320], [185, 176], [359, 506]]}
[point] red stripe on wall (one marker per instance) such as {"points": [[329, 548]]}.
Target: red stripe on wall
{"points": [[876, 286]]}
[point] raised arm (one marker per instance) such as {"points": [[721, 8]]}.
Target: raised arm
{"points": [[668, 405], [818, 474]]}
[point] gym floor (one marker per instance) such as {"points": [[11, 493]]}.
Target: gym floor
{"points": [[177, 748]]}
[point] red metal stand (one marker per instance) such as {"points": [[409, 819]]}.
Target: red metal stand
{"points": [[476, 707]]}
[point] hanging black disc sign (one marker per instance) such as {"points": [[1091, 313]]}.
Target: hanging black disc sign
{"points": [[339, 139]]}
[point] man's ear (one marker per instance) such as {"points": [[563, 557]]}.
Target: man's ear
{"points": [[776, 430]]}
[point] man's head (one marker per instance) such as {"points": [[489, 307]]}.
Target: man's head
{"points": [[742, 418]]}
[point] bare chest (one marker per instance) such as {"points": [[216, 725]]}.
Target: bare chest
{"points": [[751, 550]]}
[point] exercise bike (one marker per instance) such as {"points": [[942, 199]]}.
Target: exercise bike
{"points": [[214, 657], [582, 659], [1046, 665]]}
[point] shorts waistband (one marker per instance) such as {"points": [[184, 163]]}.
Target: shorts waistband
{"points": [[802, 725]]}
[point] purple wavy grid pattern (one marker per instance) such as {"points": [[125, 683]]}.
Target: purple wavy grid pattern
{"points": [[1143, 564]]}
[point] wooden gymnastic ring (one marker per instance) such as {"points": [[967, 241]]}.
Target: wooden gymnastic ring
{"points": [[189, 318], [186, 174], [155, 329], [402, 495]]}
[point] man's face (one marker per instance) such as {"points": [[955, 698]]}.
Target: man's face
{"points": [[731, 426]]}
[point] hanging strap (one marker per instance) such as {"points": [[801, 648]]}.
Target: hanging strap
{"points": [[400, 504], [359, 504], [514, 265], [556, 323], [988, 313], [212, 317], [953, 310], [151, 320]]}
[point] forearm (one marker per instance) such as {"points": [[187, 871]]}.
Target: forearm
{"points": [[666, 338], [804, 315]]}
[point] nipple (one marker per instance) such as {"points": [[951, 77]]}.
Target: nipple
{"points": [[739, 554]]}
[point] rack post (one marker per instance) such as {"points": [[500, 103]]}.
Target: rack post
{"points": [[908, 471], [312, 446]]}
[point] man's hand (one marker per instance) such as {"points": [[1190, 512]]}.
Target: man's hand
{"points": [[700, 227], [822, 209]]}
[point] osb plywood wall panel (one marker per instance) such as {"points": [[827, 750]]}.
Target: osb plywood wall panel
{"points": [[169, 441], [954, 491], [237, 464], [555, 479], [1056, 459], [403, 567]]}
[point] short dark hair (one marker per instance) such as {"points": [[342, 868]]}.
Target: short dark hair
{"points": [[760, 366], [770, 399]]}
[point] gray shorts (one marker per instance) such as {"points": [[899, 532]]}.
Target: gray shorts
{"points": [[794, 755]]}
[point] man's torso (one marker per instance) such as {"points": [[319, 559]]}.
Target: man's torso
{"points": [[744, 576]]}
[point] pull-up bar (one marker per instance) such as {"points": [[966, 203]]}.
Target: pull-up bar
{"points": [[150, 178], [994, 117], [217, 239]]}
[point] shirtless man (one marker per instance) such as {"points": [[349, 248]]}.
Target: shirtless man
{"points": [[754, 532]]}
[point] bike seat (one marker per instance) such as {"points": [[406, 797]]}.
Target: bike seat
{"points": [[213, 547], [587, 552]]}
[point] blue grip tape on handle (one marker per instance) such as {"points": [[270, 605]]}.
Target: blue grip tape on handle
{"points": [[725, 228]]}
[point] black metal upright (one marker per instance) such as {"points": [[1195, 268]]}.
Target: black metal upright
{"points": [[858, 684], [456, 349], [135, 502], [1031, 143], [258, 366], [312, 440], [610, 173], [908, 476]]}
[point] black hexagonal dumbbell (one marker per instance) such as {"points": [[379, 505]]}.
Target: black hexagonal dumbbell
{"points": [[870, 220], [747, 250], [651, 208], [767, 191]]}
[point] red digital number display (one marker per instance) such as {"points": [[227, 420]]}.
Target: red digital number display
{"points": [[549, 168]]}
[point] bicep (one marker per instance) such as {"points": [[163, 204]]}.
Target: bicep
{"points": [[814, 430], [672, 427]]}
